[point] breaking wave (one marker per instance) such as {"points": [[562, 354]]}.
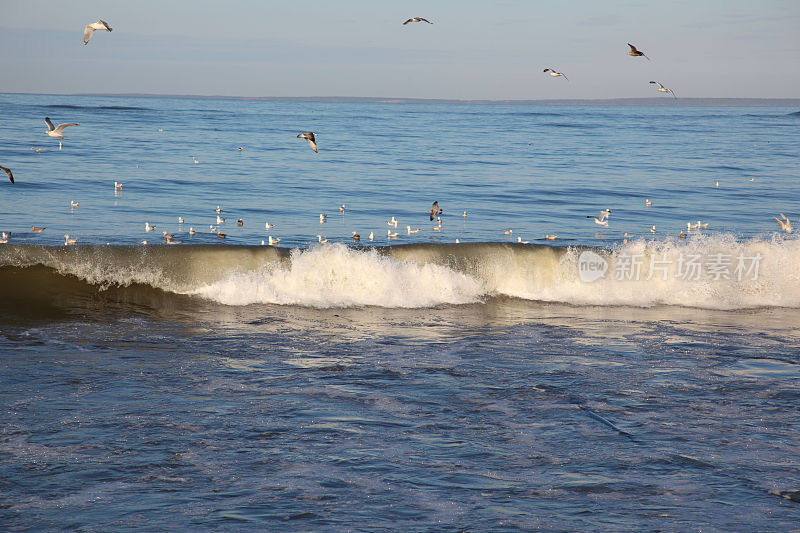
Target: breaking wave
{"points": [[713, 272]]}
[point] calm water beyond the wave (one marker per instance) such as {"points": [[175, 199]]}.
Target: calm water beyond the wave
{"points": [[594, 382]]}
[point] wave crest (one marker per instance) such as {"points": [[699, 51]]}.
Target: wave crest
{"points": [[425, 275]]}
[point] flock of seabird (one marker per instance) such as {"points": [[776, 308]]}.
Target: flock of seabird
{"points": [[602, 220], [634, 52]]}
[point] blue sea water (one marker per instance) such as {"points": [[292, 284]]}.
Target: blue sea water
{"points": [[411, 383]]}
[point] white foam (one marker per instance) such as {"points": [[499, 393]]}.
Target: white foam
{"points": [[338, 276], [776, 285]]}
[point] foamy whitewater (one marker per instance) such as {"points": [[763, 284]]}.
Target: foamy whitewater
{"points": [[595, 382], [727, 273]]}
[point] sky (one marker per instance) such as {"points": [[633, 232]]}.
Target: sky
{"points": [[474, 50]]}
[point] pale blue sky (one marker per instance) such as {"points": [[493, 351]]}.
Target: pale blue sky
{"points": [[475, 50]]}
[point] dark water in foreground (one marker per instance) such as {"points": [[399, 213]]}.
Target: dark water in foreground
{"points": [[504, 415]]}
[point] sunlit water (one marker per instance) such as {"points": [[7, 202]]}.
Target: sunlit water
{"points": [[478, 386]]}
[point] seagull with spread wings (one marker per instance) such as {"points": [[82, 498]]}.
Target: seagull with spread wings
{"points": [[89, 29], [57, 131], [663, 89], [636, 52], [555, 73], [312, 141], [8, 171], [417, 19]]}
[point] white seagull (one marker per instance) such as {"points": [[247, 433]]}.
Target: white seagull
{"points": [[89, 29], [663, 89], [555, 73], [600, 221], [57, 131]]}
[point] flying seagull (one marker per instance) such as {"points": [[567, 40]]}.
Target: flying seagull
{"points": [[555, 73], [56, 132], [309, 136], [663, 89], [417, 19], [435, 210], [89, 30], [636, 53], [8, 171], [784, 224]]}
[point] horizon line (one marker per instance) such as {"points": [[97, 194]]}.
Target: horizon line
{"points": [[632, 101]]}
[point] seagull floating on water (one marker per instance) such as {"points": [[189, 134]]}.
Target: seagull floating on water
{"points": [[312, 141], [267, 225], [417, 19], [8, 171], [117, 186], [68, 241], [411, 230], [636, 53], [393, 222], [551, 237], [371, 235], [322, 218], [273, 241], [342, 208], [73, 204], [37, 230], [321, 240], [520, 241], [508, 231], [647, 202], [90, 28], [663, 89], [390, 234], [148, 227], [555, 73]]}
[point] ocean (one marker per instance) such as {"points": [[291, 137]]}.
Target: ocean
{"points": [[470, 376]]}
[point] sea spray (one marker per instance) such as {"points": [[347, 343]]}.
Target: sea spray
{"points": [[338, 276], [716, 271]]}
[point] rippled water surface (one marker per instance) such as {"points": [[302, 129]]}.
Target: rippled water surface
{"points": [[414, 384]]}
